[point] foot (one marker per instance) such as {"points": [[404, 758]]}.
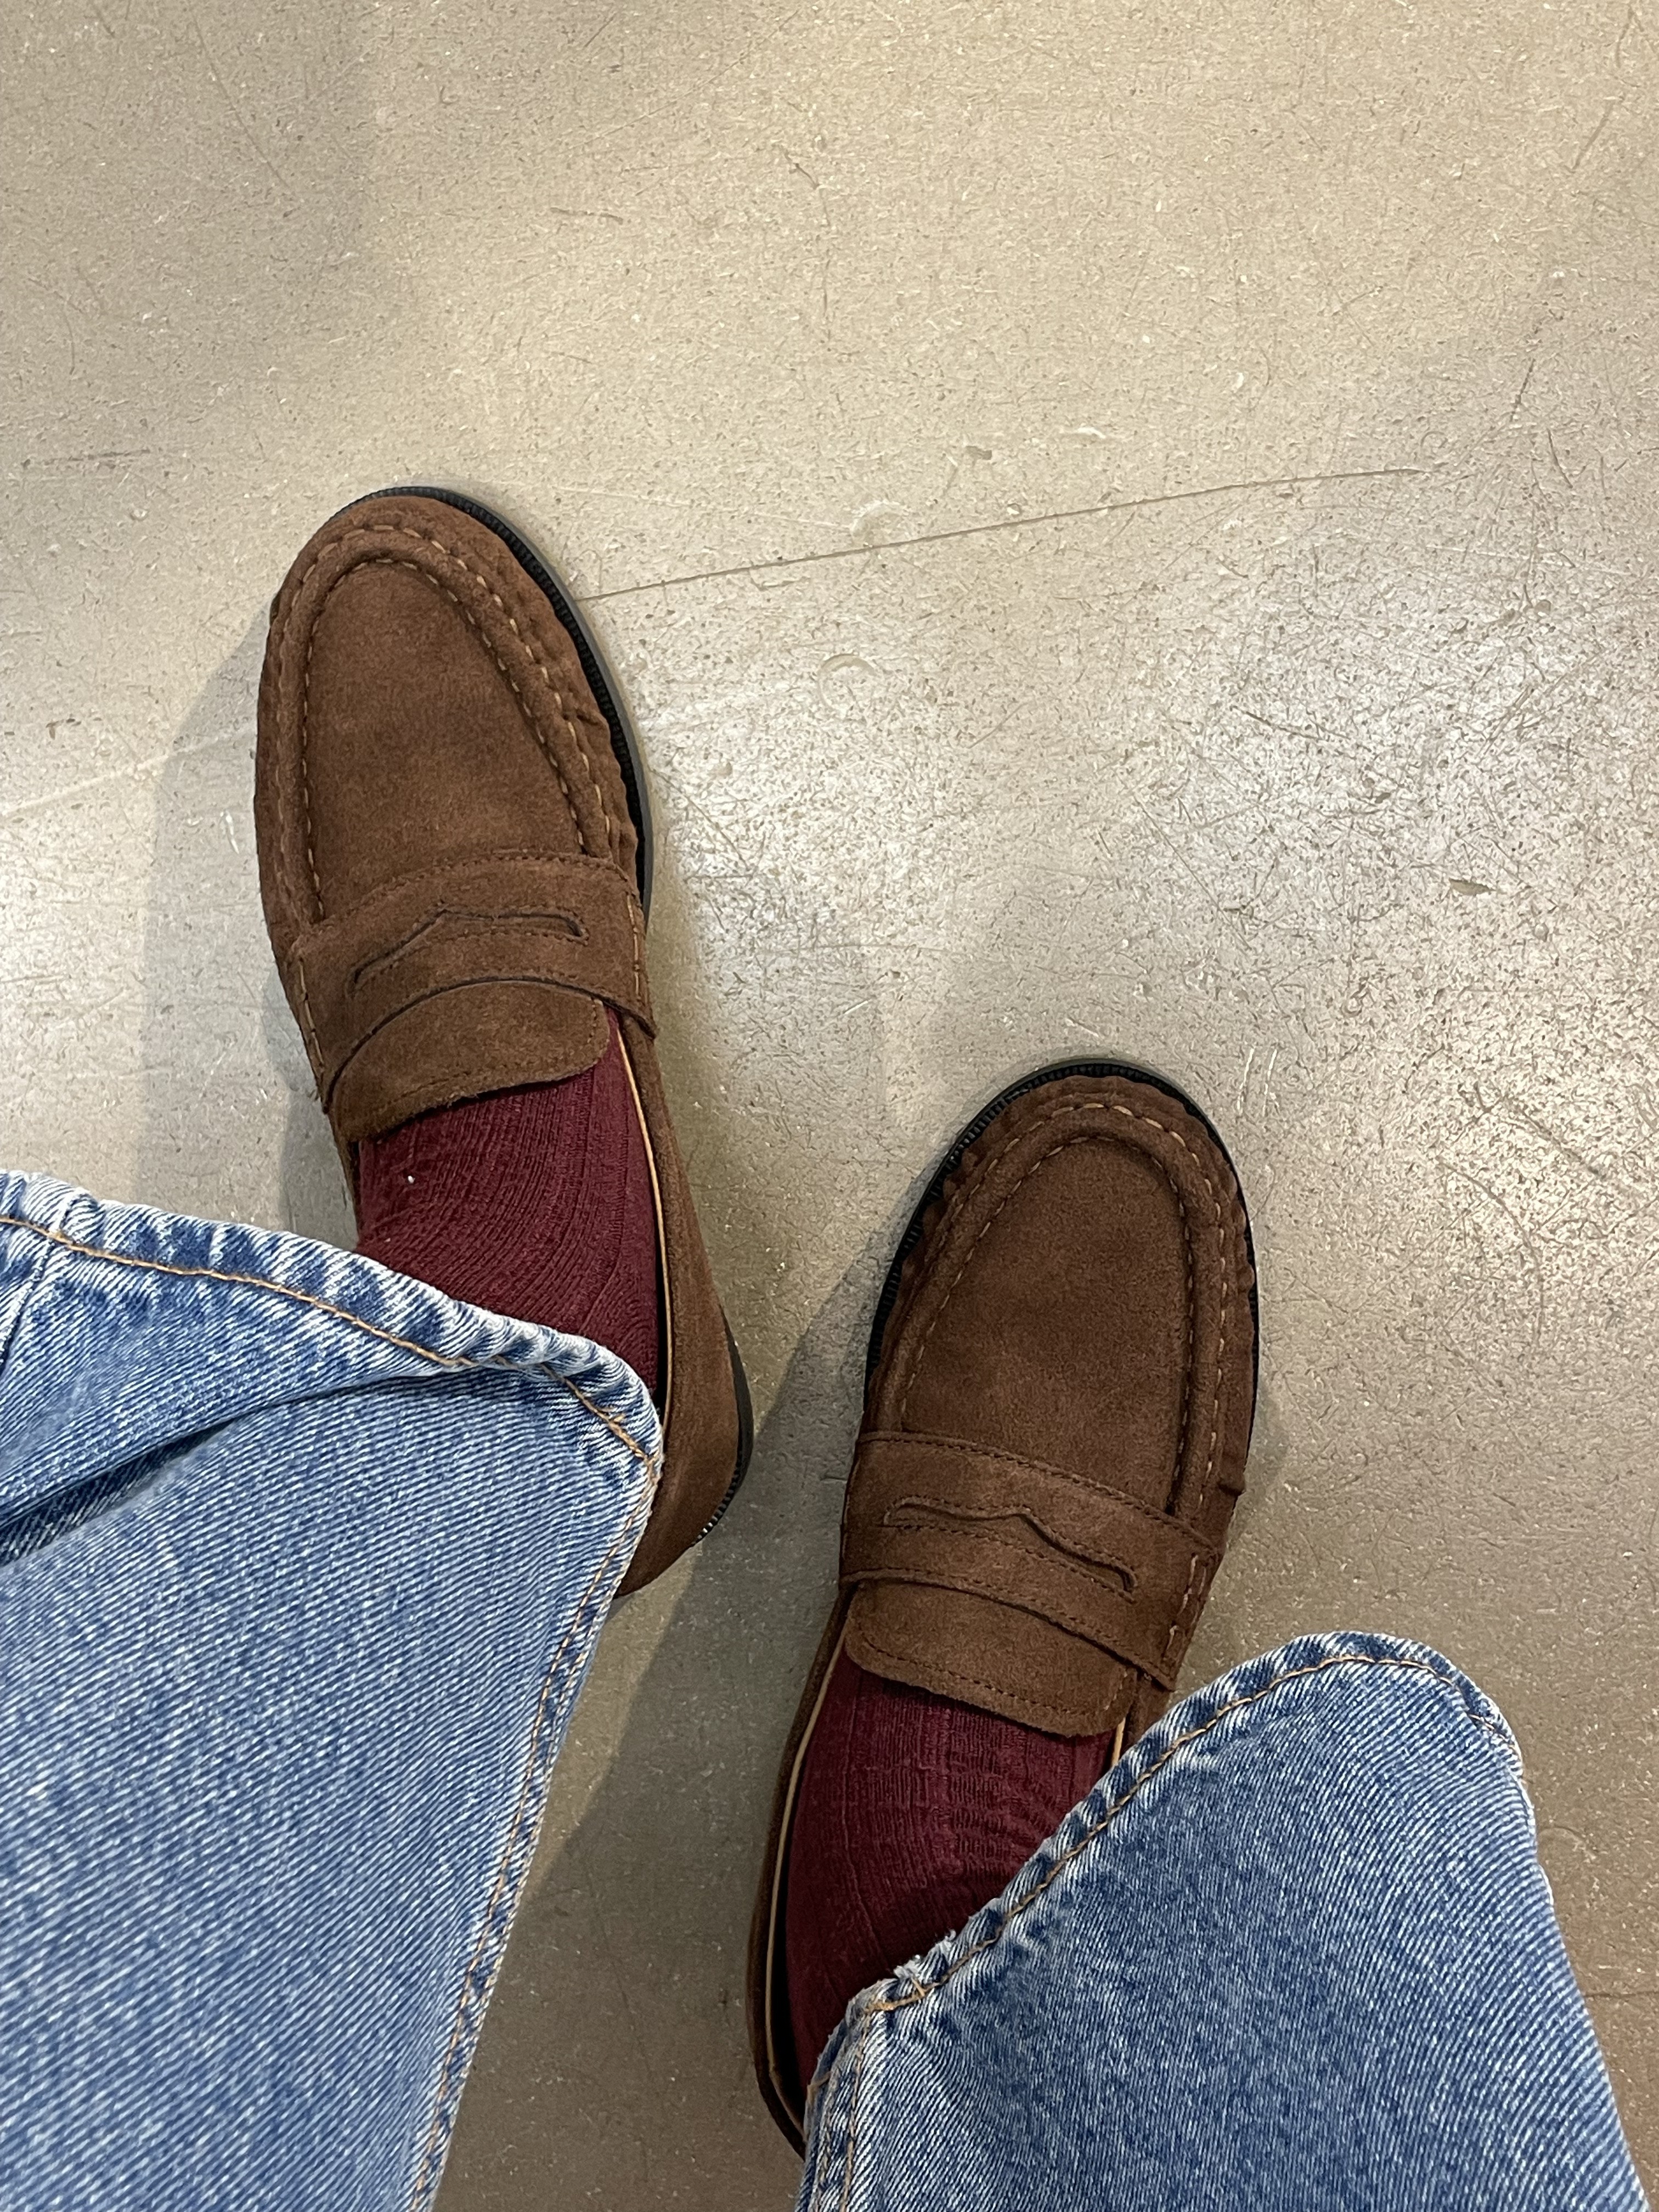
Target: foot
{"points": [[1055, 1428], [450, 839]]}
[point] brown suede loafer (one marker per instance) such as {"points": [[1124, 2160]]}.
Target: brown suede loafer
{"points": [[454, 854], [1060, 1392]]}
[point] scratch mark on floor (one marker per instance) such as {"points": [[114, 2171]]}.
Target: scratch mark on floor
{"points": [[1009, 522], [72, 460], [1606, 117]]}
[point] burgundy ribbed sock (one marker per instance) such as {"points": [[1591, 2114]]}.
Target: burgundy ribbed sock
{"points": [[536, 1203], [913, 1812]]}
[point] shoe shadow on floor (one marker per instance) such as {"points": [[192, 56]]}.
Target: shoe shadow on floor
{"points": [[614, 2058]]}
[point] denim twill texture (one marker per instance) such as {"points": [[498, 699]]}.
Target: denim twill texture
{"points": [[301, 1564]]}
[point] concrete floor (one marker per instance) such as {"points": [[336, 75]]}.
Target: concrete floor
{"points": [[1127, 529]]}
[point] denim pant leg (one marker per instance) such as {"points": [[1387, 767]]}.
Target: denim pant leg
{"points": [[302, 1565], [1294, 1953]]}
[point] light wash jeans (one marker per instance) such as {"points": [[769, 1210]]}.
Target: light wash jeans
{"points": [[302, 1565]]}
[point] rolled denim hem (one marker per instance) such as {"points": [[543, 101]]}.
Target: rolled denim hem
{"points": [[297, 1280], [301, 1567], [1062, 2033]]}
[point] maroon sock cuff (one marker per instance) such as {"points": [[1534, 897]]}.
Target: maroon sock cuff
{"points": [[913, 1812], [537, 1203]]}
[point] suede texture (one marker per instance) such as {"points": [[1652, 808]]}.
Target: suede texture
{"points": [[448, 866], [1056, 1432], [1054, 1437]]}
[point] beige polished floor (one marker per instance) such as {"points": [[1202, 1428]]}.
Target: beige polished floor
{"points": [[1127, 530]]}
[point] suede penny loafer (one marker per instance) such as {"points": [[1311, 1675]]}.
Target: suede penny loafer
{"points": [[454, 854], [1061, 1386]]}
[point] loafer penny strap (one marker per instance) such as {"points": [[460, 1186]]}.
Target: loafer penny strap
{"points": [[521, 918], [1091, 1560]]}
